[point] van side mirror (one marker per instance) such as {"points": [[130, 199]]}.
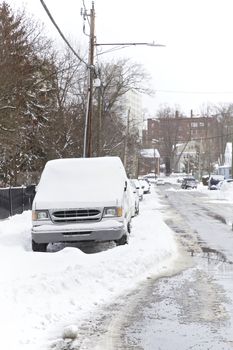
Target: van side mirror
{"points": [[125, 188]]}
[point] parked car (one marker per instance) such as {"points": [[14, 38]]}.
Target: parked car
{"points": [[189, 182], [223, 184], [139, 188], [145, 186], [214, 180], [205, 179], [81, 199], [180, 179], [160, 181], [151, 177], [135, 199]]}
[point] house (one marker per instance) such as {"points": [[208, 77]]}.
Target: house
{"points": [[169, 131], [149, 161], [226, 169], [185, 156]]}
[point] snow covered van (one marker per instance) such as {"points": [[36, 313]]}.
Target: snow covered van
{"points": [[81, 199]]}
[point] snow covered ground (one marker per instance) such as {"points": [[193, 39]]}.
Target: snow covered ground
{"points": [[42, 293]]}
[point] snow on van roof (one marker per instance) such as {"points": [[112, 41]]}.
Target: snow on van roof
{"points": [[73, 167], [87, 161], [85, 180], [102, 161]]}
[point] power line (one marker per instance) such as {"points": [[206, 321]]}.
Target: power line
{"points": [[203, 138], [212, 137], [194, 92], [60, 32]]}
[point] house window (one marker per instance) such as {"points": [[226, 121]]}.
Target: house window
{"points": [[194, 124], [201, 124]]}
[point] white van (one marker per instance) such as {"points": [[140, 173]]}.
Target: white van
{"points": [[81, 199]]}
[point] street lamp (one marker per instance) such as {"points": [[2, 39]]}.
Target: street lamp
{"points": [[130, 44]]}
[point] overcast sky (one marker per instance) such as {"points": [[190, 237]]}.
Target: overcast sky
{"points": [[196, 66]]}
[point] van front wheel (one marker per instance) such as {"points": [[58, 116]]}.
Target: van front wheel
{"points": [[39, 247], [123, 240]]}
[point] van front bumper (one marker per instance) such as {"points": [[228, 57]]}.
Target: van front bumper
{"points": [[102, 231]]}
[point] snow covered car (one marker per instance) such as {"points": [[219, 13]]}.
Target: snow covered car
{"points": [[81, 199], [160, 181], [214, 180], [139, 188], [145, 186], [150, 177], [135, 198], [225, 184]]}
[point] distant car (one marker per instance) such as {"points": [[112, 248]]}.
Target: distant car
{"points": [[205, 179], [214, 180], [145, 186], [189, 182], [135, 199], [139, 188], [150, 177], [160, 181], [223, 184], [179, 179]]}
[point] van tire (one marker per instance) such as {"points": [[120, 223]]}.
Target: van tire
{"points": [[129, 227], [39, 247], [123, 240]]}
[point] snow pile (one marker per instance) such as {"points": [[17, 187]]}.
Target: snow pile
{"points": [[43, 293], [226, 191]]}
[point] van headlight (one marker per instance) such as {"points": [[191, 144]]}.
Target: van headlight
{"points": [[111, 212], [40, 215]]}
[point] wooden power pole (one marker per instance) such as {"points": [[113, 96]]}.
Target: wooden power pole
{"points": [[87, 147]]}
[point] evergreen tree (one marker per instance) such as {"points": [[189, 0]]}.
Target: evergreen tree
{"points": [[24, 92]]}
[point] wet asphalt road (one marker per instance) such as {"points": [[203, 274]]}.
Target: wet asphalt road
{"points": [[194, 308]]}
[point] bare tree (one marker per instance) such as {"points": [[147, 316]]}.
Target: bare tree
{"points": [[224, 132], [117, 78], [64, 128], [169, 124]]}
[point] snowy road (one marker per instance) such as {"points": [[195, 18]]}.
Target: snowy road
{"points": [[192, 308]]}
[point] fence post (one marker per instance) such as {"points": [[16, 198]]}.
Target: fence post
{"points": [[10, 201]]}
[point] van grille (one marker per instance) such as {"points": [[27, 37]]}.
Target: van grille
{"points": [[76, 215]]}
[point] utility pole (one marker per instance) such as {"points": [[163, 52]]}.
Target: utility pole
{"points": [[126, 139], [87, 146], [99, 123], [232, 156]]}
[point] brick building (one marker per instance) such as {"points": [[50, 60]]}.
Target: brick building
{"points": [[167, 133]]}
